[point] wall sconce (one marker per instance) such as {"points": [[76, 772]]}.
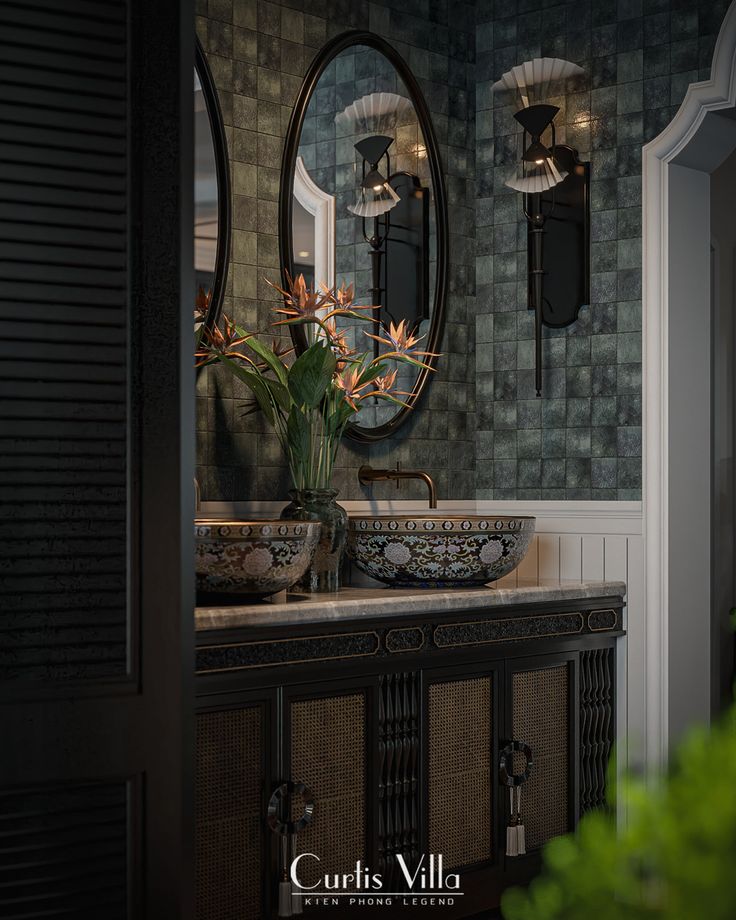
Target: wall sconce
{"points": [[555, 186]]}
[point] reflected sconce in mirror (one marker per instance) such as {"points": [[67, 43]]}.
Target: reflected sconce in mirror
{"points": [[555, 188], [378, 171], [376, 197]]}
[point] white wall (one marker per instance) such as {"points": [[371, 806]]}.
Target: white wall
{"points": [[689, 437], [723, 230], [677, 373]]}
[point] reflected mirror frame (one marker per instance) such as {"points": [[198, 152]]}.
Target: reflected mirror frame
{"points": [[286, 190], [222, 167]]}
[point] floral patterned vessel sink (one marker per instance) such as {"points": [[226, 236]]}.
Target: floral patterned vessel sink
{"points": [[438, 551], [254, 558]]}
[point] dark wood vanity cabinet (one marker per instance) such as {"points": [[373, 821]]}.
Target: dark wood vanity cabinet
{"points": [[397, 729]]}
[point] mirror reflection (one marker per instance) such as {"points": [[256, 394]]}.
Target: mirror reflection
{"points": [[205, 193], [363, 208], [211, 197]]}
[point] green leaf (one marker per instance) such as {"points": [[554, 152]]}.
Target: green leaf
{"points": [[393, 399], [297, 434], [366, 317], [260, 388], [339, 418], [266, 354], [311, 374], [369, 373], [407, 359], [279, 393]]}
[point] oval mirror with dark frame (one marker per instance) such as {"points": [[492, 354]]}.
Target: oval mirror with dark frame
{"points": [[362, 201], [211, 191]]}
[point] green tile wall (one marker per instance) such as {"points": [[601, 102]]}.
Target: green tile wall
{"points": [[481, 431], [582, 440]]}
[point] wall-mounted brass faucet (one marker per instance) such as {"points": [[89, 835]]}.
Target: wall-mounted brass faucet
{"points": [[367, 475]]}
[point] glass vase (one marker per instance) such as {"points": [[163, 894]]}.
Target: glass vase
{"points": [[319, 505]]}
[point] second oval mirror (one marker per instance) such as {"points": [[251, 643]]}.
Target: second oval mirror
{"points": [[362, 202]]}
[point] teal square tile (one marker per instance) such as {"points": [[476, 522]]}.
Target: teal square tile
{"points": [[553, 474], [554, 442], [628, 347], [529, 443]]}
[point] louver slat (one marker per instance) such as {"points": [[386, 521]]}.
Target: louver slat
{"points": [[63, 353], [63, 853]]}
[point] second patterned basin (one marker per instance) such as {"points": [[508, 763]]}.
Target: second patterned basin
{"points": [[439, 551], [255, 558]]}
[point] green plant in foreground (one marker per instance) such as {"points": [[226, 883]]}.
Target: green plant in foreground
{"points": [[673, 858], [310, 400]]}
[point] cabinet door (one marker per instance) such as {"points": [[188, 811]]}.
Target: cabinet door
{"points": [[541, 710], [325, 746], [461, 790], [232, 760]]}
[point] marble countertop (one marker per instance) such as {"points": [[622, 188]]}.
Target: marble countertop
{"points": [[372, 603]]}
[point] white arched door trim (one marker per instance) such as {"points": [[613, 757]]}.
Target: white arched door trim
{"points": [[321, 205], [675, 176]]}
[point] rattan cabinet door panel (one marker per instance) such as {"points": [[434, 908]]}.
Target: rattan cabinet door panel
{"points": [[229, 819], [541, 717], [327, 740], [459, 770]]}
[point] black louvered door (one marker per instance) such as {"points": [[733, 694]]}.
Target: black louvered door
{"points": [[96, 458]]}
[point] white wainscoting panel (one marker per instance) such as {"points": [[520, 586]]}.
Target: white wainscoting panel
{"points": [[591, 541]]}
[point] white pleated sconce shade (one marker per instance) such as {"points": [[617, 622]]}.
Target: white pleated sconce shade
{"points": [[374, 113], [532, 80], [539, 73], [541, 179], [372, 202]]}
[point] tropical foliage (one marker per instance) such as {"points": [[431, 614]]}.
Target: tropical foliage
{"points": [[310, 399], [671, 858]]}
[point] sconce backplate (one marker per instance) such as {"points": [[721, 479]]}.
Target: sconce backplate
{"points": [[406, 273], [566, 251]]}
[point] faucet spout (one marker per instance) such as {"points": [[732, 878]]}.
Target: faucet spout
{"points": [[367, 475]]}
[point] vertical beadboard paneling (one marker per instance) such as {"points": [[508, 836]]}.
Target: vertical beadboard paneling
{"points": [[571, 557], [616, 566], [548, 553], [508, 581], [596, 541], [616, 554], [528, 571], [593, 548], [636, 643]]}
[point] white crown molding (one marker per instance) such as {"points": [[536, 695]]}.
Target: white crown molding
{"points": [[579, 517], [701, 99], [552, 516], [273, 509], [577, 509]]}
